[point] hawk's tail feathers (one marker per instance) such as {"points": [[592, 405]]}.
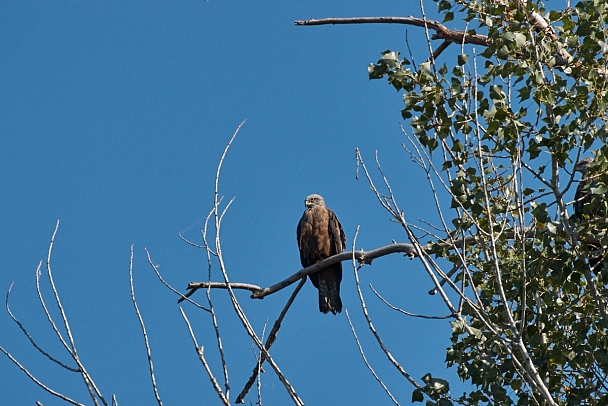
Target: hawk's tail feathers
{"points": [[329, 297]]}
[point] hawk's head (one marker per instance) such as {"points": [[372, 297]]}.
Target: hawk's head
{"points": [[314, 200], [582, 165]]}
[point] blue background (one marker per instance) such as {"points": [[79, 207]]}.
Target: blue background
{"points": [[113, 117]]}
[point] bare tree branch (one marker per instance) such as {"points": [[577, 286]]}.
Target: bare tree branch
{"points": [[29, 337], [37, 382], [143, 331], [218, 217], [367, 364], [363, 257], [201, 356], [370, 325], [91, 387], [171, 288], [408, 313], [441, 31], [271, 339], [216, 327], [94, 393]]}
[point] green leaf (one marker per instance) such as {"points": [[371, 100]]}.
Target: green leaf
{"points": [[425, 67], [417, 395], [390, 59], [520, 39], [458, 326], [376, 71], [462, 59], [524, 93], [598, 189]]}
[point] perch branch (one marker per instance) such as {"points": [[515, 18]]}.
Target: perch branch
{"points": [[363, 257]]}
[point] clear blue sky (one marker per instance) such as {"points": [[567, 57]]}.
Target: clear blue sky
{"points": [[113, 116]]}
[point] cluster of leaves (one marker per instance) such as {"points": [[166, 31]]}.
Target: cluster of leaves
{"points": [[520, 112], [435, 388]]}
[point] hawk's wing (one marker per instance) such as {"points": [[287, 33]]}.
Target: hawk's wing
{"points": [[336, 234], [308, 237]]}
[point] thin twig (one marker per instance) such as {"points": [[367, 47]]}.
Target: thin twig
{"points": [[370, 325], [88, 381], [37, 382], [236, 305], [143, 331], [181, 297], [214, 321], [259, 375], [451, 272], [201, 356], [367, 364], [29, 337], [449, 316], [271, 339], [220, 346]]}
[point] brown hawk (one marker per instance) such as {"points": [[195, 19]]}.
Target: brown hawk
{"points": [[320, 236]]}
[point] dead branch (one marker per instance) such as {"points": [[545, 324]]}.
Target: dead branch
{"points": [[441, 31], [364, 257], [370, 325], [367, 364], [447, 35], [171, 288], [422, 316], [37, 382], [218, 217], [29, 337], [88, 381], [216, 326], [201, 356], [269, 341], [69, 345], [143, 331]]}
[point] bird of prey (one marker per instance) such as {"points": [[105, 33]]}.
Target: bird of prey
{"points": [[320, 236], [584, 205]]}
